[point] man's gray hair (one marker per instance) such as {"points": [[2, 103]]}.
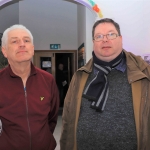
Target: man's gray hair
{"points": [[17, 26]]}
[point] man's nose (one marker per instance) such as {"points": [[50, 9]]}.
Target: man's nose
{"points": [[21, 43], [105, 39]]}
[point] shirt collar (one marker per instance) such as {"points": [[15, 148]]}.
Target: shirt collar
{"points": [[122, 65]]}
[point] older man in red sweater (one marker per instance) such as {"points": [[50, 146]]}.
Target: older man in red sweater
{"points": [[29, 98]]}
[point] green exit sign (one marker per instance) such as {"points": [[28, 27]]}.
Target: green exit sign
{"points": [[54, 46]]}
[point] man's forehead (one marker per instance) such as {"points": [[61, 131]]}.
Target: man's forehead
{"points": [[18, 32], [106, 24], [105, 27]]}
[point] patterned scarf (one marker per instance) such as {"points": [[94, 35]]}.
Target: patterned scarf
{"points": [[98, 89]]}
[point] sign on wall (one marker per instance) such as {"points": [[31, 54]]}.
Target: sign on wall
{"points": [[55, 46]]}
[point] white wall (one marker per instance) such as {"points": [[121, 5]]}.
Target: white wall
{"points": [[81, 13], [8, 16], [133, 18], [86, 19], [90, 20], [51, 22]]}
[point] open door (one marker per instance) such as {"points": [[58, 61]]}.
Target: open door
{"points": [[64, 73], [49, 61]]}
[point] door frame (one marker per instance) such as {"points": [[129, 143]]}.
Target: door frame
{"points": [[51, 53]]}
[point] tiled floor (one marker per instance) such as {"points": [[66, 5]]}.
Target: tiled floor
{"points": [[57, 132]]}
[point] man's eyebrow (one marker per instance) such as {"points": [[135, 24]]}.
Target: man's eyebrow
{"points": [[23, 37], [27, 37], [111, 30], [13, 37], [108, 32]]}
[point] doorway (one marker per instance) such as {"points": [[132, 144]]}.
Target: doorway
{"points": [[63, 73], [49, 61], [65, 59]]}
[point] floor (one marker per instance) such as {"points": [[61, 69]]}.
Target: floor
{"points": [[57, 131]]}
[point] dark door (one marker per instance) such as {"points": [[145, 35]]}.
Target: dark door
{"points": [[64, 73]]}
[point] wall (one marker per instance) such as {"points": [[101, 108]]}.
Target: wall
{"points": [[90, 20], [51, 22], [81, 13], [86, 19], [134, 20], [9, 15]]}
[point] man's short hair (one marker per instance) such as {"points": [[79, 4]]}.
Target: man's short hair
{"points": [[106, 20], [4, 38]]}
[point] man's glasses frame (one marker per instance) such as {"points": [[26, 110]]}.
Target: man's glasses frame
{"points": [[109, 36]]}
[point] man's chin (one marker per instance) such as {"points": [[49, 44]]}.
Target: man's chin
{"points": [[108, 57], [24, 60]]}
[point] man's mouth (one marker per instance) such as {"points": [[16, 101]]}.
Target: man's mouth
{"points": [[21, 51], [104, 47]]}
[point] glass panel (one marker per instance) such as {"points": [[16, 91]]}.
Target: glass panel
{"points": [[46, 64]]}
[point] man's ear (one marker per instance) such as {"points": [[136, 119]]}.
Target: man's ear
{"points": [[4, 51]]}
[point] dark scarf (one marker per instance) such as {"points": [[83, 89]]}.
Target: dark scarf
{"points": [[98, 89]]}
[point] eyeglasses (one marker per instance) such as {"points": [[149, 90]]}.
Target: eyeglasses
{"points": [[109, 36]]}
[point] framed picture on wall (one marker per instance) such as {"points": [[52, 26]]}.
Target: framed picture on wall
{"points": [[146, 57], [46, 64], [81, 54]]}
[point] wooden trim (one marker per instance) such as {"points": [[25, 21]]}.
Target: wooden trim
{"points": [[74, 59]]}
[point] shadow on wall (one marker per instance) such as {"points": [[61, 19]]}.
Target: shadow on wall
{"points": [[9, 3]]}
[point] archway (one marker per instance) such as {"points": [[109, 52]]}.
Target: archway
{"points": [[7, 2], [90, 4], [2, 2]]}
